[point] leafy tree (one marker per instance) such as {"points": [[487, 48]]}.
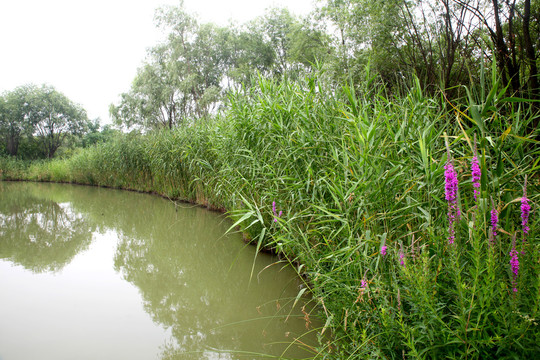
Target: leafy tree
{"points": [[42, 112], [181, 78], [249, 55], [16, 116], [187, 75], [276, 25], [296, 44], [309, 43], [366, 31], [154, 99], [2, 117], [97, 134], [55, 117], [509, 24], [439, 40]]}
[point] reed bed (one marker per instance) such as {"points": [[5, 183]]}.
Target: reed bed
{"points": [[358, 190]]}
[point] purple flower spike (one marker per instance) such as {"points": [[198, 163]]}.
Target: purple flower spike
{"points": [[451, 189], [451, 182], [383, 250], [514, 264], [494, 221], [476, 175], [276, 216], [525, 210]]}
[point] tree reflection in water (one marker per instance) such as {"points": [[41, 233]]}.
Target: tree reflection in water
{"points": [[200, 288], [193, 280], [38, 233]]}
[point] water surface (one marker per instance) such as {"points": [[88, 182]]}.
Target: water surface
{"points": [[90, 273]]}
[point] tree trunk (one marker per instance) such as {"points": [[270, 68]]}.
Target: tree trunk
{"points": [[506, 67], [12, 144], [534, 91], [530, 59], [513, 66]]}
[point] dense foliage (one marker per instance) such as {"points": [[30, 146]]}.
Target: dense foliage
{"points": [[399, 174], [39, 118], [187, 76], [444, 43]]}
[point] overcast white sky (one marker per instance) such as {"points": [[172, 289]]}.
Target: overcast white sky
{"points": [[90, 50]]}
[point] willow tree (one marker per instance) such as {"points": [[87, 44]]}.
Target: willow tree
{"points": [[295, 44], [181, 78], [41, 112], [16, 117], [55, 117]]}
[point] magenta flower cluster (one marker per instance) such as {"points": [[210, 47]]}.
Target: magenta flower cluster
{"points": [[402, 258], [476, 175], [514, 264], [525, 211], [451, 187], [494, 221], [451, 195], [276, 215], [383, 250]]}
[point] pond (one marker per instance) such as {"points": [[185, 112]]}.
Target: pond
{"points": [[93, 273]]}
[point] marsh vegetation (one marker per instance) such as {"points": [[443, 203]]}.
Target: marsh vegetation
{"points": [[355, 164]]}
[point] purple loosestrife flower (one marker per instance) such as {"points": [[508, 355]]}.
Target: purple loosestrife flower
{"points": [[494, 221], [276, 215], [476, 174], [401, 257], [451, 182], [362, 290], [514, 264], [383, 250], [451, 189], [525, 210]]}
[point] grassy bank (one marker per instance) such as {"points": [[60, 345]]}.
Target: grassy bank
{"points": [[350, 183]]}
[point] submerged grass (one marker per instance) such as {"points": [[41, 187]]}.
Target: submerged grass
{"points": [[349, 184]]}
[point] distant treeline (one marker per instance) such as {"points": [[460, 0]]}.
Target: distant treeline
{"points": [[446, 44]]}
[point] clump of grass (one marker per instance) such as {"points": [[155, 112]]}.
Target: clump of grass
{"points": [[12, 168]]}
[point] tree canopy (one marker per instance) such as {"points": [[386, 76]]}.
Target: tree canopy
{"points": [[188, 75], [41, 114], [444, 43]]}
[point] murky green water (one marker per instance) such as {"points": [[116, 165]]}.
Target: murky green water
{"points": [[89, 273]]}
